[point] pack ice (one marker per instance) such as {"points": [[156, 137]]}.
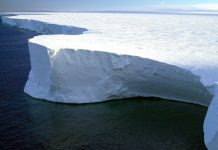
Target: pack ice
{"points": [[124, 55]]}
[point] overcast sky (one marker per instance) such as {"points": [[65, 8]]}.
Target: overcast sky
{"points": [[82, 5]]}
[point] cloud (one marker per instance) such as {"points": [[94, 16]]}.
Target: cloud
{"points": [[211, 7], [183, 8]]}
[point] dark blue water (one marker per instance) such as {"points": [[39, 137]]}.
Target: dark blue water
{"points": [[135, 124]]}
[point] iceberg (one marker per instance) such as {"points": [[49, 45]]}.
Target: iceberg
{"points": [[43, 27], [137, 56], [85, 68], [211, 122]]}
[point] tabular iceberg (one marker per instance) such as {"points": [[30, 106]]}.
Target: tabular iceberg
{"points": [[100, 65], [43, 27], [77, 71]]}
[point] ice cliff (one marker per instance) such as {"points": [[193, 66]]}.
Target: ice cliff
{"points": [[211, 123], [43, 27], [107, 64], [74, 69]]}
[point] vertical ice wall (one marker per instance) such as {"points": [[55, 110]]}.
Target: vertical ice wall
{"points": [[79, 74], [211, 123]]}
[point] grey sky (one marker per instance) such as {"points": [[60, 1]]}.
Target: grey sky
{"points": [[72, 5]]}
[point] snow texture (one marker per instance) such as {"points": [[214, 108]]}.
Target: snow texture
{"points": [[186, 41]]}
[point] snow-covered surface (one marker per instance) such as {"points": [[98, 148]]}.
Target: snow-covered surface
{"points": [[187, 41], [124, 55]]}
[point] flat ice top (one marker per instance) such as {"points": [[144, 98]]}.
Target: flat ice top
{"points": [[193, 38], [187, 41], [91, 42]]}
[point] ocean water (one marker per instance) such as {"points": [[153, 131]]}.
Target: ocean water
{"points": [[136, 123]]}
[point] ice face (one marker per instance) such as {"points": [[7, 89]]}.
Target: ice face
{"points": [[71, 69], [210, 124]]}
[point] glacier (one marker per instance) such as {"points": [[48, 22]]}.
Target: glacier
{"points": [[85, 60]]}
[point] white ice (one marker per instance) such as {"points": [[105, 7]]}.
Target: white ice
{"points": [[183, 40], [88, 68]]}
